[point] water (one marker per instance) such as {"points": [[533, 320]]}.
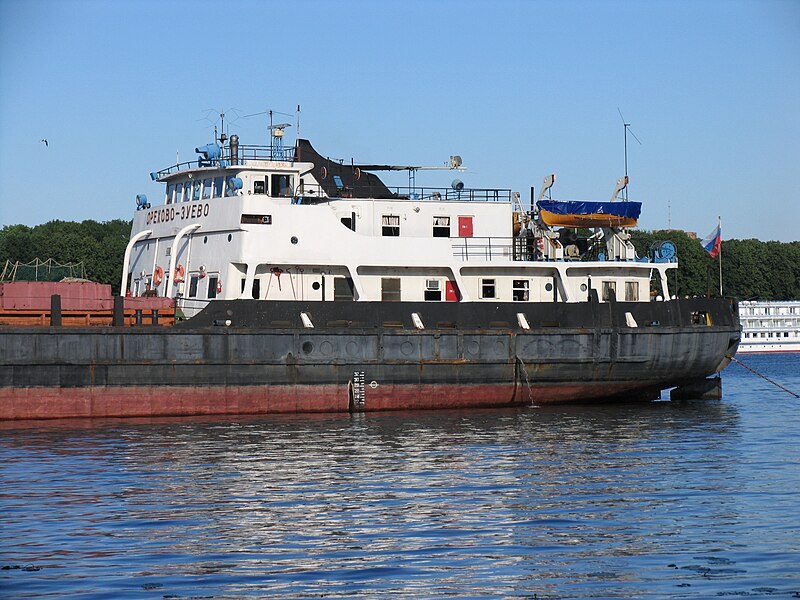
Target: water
{"points": [[662, 500]]}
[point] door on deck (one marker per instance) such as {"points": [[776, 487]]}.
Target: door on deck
{"points": [[465, 226]]}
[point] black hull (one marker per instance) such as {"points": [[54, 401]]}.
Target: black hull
{"points": [[365, 356]]}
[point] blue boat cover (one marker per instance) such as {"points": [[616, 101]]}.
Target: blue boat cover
{"points": [[575, 207]]}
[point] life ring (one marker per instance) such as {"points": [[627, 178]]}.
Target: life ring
{"points": [[158, 276], [179, 273], [323, 172], [540, 244], [219, 286]]}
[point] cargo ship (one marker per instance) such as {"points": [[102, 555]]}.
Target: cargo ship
{"points": [[296, 282]]}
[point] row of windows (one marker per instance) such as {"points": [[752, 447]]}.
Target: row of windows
{"points": [[390, 226], [770, 334], [214, 187], [195, 190], [488, 289]]}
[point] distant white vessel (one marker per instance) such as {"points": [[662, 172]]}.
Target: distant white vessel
{"points": [[770, 326]]}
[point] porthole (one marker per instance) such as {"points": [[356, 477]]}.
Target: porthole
{"points": [[583, 287], [315, 285], [549, 287], [308, 347], [294, 240], [205, 239], [230, 237]]}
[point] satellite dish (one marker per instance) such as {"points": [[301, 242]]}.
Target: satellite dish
{"points": [[457, 185]]}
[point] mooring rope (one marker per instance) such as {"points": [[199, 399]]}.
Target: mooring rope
{"points": [[737, 361]]}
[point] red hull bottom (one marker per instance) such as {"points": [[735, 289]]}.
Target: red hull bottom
{"points": [[153, 401]]}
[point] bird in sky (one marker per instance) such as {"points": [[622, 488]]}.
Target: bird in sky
{"points": [[44, 141]]}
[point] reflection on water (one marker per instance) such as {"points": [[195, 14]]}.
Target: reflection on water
{"points": [[664, 499]]}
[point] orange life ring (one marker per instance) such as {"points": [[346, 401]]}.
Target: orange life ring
{"points": [[158, 276], [179, 273]]}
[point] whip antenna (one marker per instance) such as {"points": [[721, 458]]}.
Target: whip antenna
{"points": [[627, 127]]}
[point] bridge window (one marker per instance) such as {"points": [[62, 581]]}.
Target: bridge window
{"points": [[281, 186], [441, 226], [196, 190], [608, 288], [343, 288], [488, 288], [219, 183], [206, 188], [390, 289], [193, 281], [170, 192], [178, 192], [631, 291], [391, 225], [520, 290]]}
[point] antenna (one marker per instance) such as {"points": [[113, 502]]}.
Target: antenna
{"points": [[626, 126]]}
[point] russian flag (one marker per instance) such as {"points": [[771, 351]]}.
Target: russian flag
{"points": [[713, 242]]}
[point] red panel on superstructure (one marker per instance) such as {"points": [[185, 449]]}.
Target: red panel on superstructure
{"points": [[464, 226], [450, 291]]}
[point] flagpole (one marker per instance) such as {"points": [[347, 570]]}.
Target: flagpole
{"points": [[719, 225]]}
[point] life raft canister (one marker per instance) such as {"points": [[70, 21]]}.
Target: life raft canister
{"points": [[158, 276], [179, 273]]}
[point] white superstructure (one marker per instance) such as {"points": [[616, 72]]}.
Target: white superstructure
{"points": [[271, 223], [770, 326]]}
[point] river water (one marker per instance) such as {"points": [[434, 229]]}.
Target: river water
{"points": [[667, 499]]}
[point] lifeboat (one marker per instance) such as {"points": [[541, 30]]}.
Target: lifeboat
{"points": [[573, 213]]}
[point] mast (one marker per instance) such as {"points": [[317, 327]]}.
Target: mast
{"points": [[719, 228]]}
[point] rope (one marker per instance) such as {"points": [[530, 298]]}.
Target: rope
{"points": [[763, 376]]}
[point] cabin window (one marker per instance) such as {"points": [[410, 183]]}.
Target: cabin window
{"points": [[631, 291], [219, 183], [433, 290], [207, 188], [390, 289], [390, 225], [212, 286], [488, 288], [178, 192], [441, 226], [282, 186], [343, 288], [520, 290], [259, 187], [170, 192], [196, 191], [193, 281], [609, 287]]}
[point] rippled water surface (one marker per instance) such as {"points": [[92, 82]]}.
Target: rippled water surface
{"points": [[665, 500]]}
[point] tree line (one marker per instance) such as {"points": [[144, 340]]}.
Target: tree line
{"points": [[751, 269]]}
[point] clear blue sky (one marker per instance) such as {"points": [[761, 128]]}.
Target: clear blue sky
{"points": [[518, 89]]}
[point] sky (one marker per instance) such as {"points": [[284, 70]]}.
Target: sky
{"points": [[518, 89]]}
